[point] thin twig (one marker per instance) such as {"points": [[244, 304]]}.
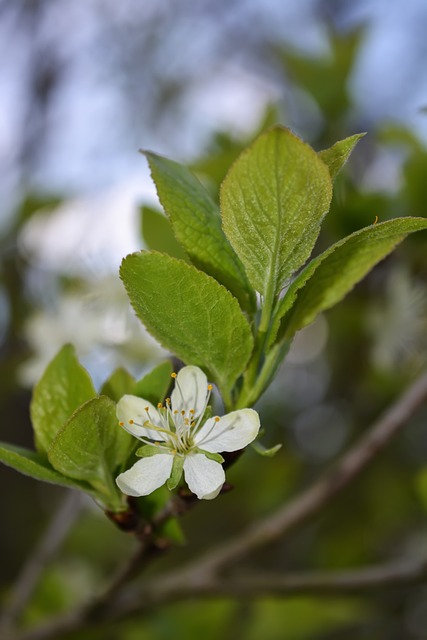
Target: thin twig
{"points": [[253, 585], [45, 550]]}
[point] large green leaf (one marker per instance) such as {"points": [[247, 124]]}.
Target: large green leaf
{"points": [[34, 465], [330, 276], [190, 314], [196, 224], [336, 156], [273, 201], [91, 446], [154, 385], [63, 387]]}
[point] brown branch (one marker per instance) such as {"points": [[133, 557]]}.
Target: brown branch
{"points": [[254, 585], [202, 576]]}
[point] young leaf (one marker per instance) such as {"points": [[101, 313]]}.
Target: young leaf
{"points": [[154, 385], [336, 156], [331, 275], [118, 384], [196, 224], [91, 446], [263, 451], [273, 201], [158, 235], [190, 314], [34, 465], [63, 387]]}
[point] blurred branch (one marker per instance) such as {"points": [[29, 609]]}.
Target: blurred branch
{"points": [[201, 577], [31, 572], [252, 585]]}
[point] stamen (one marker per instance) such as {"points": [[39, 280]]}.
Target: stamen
{"points": [[197, 424], [130, 421], [173, 375], [217, 418], [159, 405], [121, 424]]}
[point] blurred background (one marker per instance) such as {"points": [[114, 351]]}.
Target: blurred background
{"points": [[83, 86]]}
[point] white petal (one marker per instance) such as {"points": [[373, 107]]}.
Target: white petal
{"points": [[232, 432], [204, 477], [191, 387], [146, 475], [134, 408]]}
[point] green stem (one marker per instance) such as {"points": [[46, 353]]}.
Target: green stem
{"points": [[246, 396]]}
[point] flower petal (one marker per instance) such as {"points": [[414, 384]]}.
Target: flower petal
{"points": [[191, 388], [232, 432], [146, 475], [132, 408], [204, 477]]}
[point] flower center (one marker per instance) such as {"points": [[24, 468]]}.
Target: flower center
{"points": [[176, 427]]}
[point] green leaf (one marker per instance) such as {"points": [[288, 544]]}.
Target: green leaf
{"points": [[118, 384], [154, 385], [336, 156], [176, 474], [190, 314], [273, 201], [268, 453], [64, 386], [91, 446], [158, 235], [331, 275], [196, 224], [34, 465]]}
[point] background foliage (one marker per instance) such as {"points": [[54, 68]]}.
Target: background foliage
{"points": [[342, 372]]}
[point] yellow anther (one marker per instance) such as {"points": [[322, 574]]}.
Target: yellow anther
{"points": [[183, 412], [159, 405], [121, 424], [130, 421], [175, 412], [210, 387], [147, 409], [217, 419], [192, 411], [173, 375], [376, 220], [168, 400]]}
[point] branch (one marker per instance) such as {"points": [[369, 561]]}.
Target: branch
{"points": [[253, 585], [31, 572]]}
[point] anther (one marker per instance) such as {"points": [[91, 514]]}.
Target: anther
{"points": [[210, 387], [130, 421], [121, 424], [173, 375], [217, 419], [192, 411], [159, 405]]}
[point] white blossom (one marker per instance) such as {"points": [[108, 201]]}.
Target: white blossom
{"points": [[179, 437]]}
